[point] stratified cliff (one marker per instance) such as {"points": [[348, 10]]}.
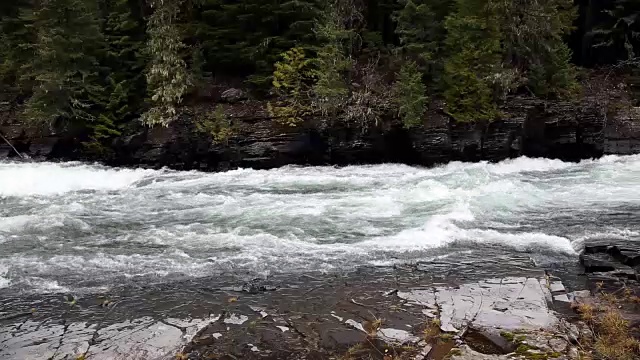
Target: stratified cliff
{"points": [[530, 127]]}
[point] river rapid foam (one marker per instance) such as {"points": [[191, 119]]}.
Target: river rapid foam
{"points": [[71, 225]]}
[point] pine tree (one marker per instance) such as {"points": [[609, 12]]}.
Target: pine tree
{"points": [[410, 94], [421, 31], [124, 64], [248, 37], [291, 80], [332, 62], [64, 66], [14, 50], [167, 75], [474, 55], [533, 40]]}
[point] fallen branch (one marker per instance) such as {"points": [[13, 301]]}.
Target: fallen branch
{"points": [[14, 149]]}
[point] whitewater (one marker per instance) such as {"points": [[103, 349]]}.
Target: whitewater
{"points": [[73, 226]]}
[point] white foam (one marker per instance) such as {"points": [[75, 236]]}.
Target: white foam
{"points": [[27, 179], [4, 281], [148, 223]]}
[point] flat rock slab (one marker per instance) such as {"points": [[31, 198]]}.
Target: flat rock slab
{"points": [[508, 303], [142, 338], [313, 318]]}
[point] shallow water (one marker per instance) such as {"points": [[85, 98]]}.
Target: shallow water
{"points": [[77, 227]]}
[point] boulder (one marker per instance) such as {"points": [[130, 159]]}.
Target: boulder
{"points": [[233, 95]]}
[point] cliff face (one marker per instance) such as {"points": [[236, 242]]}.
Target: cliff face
{"points": [[530, 127]]}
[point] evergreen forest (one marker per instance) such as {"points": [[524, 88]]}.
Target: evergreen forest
{"points": [[109, 66]]}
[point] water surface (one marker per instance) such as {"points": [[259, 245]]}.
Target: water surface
{"points": [[77, 227]]}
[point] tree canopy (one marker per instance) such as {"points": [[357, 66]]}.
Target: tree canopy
{"points": [[104, 66]]}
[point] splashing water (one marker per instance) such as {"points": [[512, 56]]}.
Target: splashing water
{"points": [[74, 225]]}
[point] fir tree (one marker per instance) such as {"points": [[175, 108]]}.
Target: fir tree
{"points": [[473, 45], [421, 31], [248, 37], [331, 90], [533, 41], [167, 75], [291, 82], [124, 63], [64, 66], [15, 38], [410, 95]]}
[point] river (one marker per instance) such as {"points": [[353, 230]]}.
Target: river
{"points": [[72, 227]]}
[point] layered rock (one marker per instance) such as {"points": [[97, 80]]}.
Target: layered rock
{"points": [[530, 127]]}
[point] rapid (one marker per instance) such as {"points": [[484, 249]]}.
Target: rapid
{"points": [[81, 227]]}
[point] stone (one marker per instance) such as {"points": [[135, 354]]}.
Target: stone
{"points": [[579, 295], [596, 263], [464, 352], [573, 353], [489, 341], [283, 328], [627, 255], [233, 95], [395, 336], [236, 319], [509, 303], [558, 344], [142, 338], [556, 287], [424, 353]]}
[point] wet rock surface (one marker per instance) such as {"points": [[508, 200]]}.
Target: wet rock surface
{"points": [[531, 127], [612, 262], [519, 312], [305, 318]]}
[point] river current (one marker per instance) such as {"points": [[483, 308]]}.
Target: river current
{"points": [[80, 227]]}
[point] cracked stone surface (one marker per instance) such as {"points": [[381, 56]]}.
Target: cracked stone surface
{"points": [[508, 303], [142, 338], [312, 318]]}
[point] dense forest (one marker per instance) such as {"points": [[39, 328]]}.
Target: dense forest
{"points": [[109, 66]]}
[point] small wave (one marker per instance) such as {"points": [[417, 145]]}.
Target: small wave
{"points": [[33, 179], [4, 281], [97, 225]]}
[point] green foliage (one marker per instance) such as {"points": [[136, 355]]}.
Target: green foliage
{"points": [[291, 82], [15, 36], [421, 30], [217, 126], [534, 43], [122, 67], [167, 75], [100, 65], [554, 75], [248, 36], [64, 68], [331, 90], [410, 95], [473, 45]]}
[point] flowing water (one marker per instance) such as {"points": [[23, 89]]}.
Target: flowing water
{"points": [[78, 227]]}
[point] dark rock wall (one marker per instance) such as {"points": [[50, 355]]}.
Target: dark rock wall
{"points": [[530, 127]]}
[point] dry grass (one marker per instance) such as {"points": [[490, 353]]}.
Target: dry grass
{"points": [[432, 331], [612, 338]]}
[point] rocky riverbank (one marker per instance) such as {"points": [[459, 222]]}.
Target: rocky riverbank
{"points": [[371, 313], [603, 122]]}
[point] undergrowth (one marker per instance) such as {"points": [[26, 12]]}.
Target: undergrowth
{"points": [[610, 335]]}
